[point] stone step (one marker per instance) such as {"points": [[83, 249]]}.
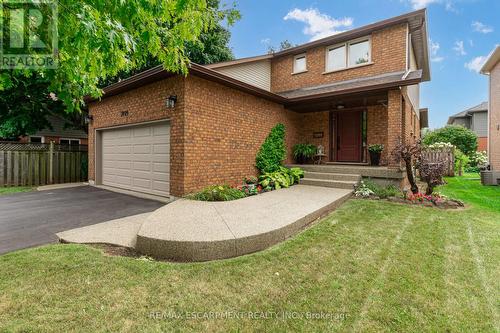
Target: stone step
{"points": [[348, 185], [341, 169], [332, 176]]}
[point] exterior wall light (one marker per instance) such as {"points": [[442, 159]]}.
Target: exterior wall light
{"points": [[340, 106], [88, 119], [170, 103]]}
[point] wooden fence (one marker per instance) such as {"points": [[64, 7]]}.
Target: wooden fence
{"points": [[42, 164], [445, 155]]}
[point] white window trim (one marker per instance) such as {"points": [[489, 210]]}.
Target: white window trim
{"points": [[302, 55], [346, 45], [38, 136], [70, 139]]}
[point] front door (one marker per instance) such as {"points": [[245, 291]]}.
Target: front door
{"points": [[348, 136]]}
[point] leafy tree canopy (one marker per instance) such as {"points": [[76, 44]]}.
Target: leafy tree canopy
{"points": [[459, 136], [107, 39]]}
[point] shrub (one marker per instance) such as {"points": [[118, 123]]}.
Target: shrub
{"points": [[459, 136], [272, 153], [461, 161], [432, 173], [382, 192], [303, 152], [479, 159], [362, 190], [376, 148], [217, 193], [409, 154], [284, 177]]}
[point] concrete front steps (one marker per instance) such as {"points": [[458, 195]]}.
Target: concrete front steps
{"points": [[329, 176]]}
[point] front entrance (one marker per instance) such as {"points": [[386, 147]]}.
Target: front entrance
{"points": [[347, 136]]}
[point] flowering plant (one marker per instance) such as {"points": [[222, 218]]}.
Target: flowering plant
{"points": [[363, 191]]}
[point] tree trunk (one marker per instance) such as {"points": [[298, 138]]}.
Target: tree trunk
{"points": [[411, 179], [429, 189]]}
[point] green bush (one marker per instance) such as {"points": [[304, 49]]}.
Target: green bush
{"points": [[376, 148], [217, 193], [304, 151], [382, 192], [459, 136], [272, 153], [461, 161], [284, 177]]}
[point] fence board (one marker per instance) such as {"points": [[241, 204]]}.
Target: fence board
{"points": [[444, 155], [32, 165]]}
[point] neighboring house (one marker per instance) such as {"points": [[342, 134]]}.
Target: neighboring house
{"points": [[167, 134], [492, 68], [475, 119], [60, 133]]}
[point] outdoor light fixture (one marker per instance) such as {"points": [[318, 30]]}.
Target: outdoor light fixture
{"points": [[88, 119], [171, 101], [340, 106]]}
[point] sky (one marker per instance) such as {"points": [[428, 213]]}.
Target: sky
{"points": [[462, 33]]}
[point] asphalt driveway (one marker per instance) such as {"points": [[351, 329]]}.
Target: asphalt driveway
{"points": [[33, 218]]}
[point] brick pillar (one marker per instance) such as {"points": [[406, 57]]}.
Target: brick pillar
{"points": [[394, 124]]}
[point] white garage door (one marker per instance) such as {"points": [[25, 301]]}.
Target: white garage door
{"points": [[137, 158]]}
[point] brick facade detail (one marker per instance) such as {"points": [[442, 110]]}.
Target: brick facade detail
{"points": [[388, 55]]}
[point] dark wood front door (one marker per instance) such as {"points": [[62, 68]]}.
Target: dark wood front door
{"points": [[348, 136]]}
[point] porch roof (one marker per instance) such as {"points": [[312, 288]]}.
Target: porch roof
{"points": [[364, 84]]}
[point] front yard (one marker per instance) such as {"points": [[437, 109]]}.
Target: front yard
{"points": [[370, 266]]}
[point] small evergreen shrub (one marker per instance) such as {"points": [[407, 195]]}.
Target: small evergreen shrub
{"points": [[272, 153]]}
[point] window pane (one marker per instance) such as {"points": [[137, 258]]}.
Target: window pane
{"points": [[336, 59], [300, 64], [359, 53], [64, 142], [74, 142], [36, 139]]}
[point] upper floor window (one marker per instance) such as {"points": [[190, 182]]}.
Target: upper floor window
{"points": [[349, 54], [299, 63]]}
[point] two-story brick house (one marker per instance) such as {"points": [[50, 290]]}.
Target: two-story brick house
{"points": [[166, 134]]}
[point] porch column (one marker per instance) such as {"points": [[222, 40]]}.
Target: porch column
{"points": [[394, 124]]}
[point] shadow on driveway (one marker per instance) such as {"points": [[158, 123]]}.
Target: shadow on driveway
{"points": [[33, 218]]}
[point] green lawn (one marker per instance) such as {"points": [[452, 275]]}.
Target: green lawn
{"points": [[371, 265], [10, 190]]}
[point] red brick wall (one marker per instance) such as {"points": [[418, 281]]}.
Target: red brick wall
{"points": [[482, 144], [224, 131], [394, 123], [315, 122], [388, 55], [143, 104], [376, 127], [216, 131], [494, 114]]}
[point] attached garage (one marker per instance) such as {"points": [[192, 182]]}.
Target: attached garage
{"points": [[136, 158]]}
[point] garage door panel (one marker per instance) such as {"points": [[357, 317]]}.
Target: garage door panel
{"points": [[161, 167], [137, 158]]}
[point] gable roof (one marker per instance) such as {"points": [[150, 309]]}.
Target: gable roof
{"points": [[492, 60], [61, 128], [417, 23], [483, 107]]}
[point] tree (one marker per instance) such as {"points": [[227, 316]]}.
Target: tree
{"points": [[103, 41], [459, 136], [285, 44], [408, 154], [432, 173]]}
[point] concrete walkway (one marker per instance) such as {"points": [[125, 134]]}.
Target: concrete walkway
{"points": [[122, 232], [188, 230]]}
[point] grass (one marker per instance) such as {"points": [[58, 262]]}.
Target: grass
{"points": [[371, 266], [10, 190]]}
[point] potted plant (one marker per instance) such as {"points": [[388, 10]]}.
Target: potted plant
{"points": [[303, 152], [375, 152]]}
